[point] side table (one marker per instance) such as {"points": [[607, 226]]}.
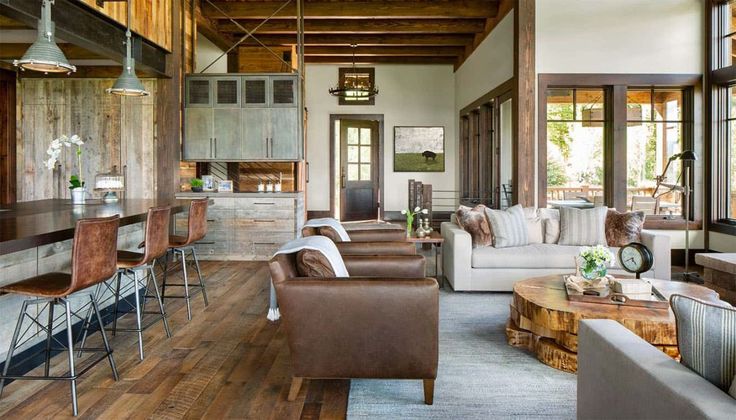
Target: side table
{"points": [[434, 239]]}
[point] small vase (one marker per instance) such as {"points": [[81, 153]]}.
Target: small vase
{"points": [[78, 195], [594, 272]]}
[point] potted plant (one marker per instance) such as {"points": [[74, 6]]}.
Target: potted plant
{"points": [[196, 184], [76, 183], [595, 261], [410, 218]]}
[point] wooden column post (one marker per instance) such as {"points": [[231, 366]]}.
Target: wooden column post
{"points": [[523, 103], [615, 173], [168, 112], [8, 156]]}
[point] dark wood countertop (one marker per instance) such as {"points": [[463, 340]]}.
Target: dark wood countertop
{"points": [[35, 223]]}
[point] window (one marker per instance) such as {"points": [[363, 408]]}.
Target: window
{"points": [[359, 154], [576, 119], [653, 134], [731, 153], [728, 22]]}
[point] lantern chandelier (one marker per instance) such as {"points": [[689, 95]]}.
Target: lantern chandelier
{"points": [[355, 84], [44, 55]]}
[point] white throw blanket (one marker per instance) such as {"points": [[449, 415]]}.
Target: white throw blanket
{"points": [[317, 243], [329, 222]]}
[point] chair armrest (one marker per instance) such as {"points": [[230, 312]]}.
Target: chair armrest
{"points": [[457, 251], [404, 266], [659, 244], [622, 376], [361, 327], [377, 235], [376, 248]]}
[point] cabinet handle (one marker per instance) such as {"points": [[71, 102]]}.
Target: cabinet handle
{"points": [[210, 146], [307, 172], [265, 204], [215, 155], [264, 221]]}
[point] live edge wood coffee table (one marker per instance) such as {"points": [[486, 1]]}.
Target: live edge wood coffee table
{"points": [[543, 320]]}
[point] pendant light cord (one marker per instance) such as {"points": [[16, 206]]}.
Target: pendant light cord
{"points": [[128, 38]]}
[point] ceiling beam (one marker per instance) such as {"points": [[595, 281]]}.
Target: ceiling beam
{"points": [[377, 26], [355, 9], [504, 8], [7, 23], [99, 72], [71, 51], [365, 39], [413, 51], [379, 60], [209, 29]]}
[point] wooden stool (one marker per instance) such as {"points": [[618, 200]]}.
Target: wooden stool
{"points": [[196, 230], [93, 261]]}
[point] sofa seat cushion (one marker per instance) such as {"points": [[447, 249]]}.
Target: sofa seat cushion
{"points": [[528, 256]]}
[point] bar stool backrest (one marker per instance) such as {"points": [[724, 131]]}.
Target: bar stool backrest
{"points": [[94, 252], [197, 228], [157, 233]]}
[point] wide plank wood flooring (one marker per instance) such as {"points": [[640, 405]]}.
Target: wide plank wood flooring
{"points": [[227, 362]]}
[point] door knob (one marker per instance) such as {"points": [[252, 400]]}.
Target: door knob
{"points": [[342, 178]]}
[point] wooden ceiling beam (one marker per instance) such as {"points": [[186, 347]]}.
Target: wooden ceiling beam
{"points": [[8, 23], [71, 51], [365, 39], [210, 30], [85, 72], [379, 60], [355, 9], [405, 51], [378, 26]]}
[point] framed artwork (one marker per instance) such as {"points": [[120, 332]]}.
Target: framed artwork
{"points": [[419, 149], [225, 185], [208, 183]]}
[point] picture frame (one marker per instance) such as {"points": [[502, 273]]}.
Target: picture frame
{"points": [[208, 183], [419, 149], [225, 186]]}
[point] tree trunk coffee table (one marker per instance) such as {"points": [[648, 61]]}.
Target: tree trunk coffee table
{"points": [[543, 320]]}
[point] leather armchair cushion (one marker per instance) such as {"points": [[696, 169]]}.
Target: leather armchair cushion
{"points": [[312, 263], [329, 232]]}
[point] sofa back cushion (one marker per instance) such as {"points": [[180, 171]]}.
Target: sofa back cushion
{"points": [[583, 227], [474, 222], [623, 228], [706, 338], [509, 227]]}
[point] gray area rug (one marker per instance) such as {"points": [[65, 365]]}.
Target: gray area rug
{"points": [[480, 376]]}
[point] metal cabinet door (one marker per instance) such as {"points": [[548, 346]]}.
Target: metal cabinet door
{"points": [[255, 133], [197, 134], [227, 134], [283, 143]]}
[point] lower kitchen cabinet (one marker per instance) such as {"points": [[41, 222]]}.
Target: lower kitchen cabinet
{"points": [[245, 226]]}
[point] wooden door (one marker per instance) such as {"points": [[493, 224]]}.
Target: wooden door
{"points": [[226, 133], [198, 134], [284, 138], [255, 133], [358, 172]]}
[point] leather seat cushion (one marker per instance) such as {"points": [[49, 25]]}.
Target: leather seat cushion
{"points": [[129, 259], [45, 285], [528, 256]]}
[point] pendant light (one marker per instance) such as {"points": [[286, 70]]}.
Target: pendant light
{"points": [[355, 84], [44, 55], [128, 83]]}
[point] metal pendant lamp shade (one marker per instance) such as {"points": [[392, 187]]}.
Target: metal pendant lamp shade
{"points": [[44, 55], [128, 83], [688, 155]]}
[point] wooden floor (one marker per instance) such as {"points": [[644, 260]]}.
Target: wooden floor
{"points": [[227, 362]]}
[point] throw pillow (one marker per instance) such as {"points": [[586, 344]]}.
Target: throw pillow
{"points": [[706, 338], [530, 212], [732, 391], [312, 263], [551, 231], [329, 232], [475, 223], [536, 230], [546, 213], [583, 227], [623, 228], [508, 226]]}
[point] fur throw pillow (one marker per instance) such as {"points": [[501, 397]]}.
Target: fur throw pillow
{"points": [[623, 228], [474, 222]]}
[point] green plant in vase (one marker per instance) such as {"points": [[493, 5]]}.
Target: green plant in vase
{"points": [[76, 182], [410, 218], [595, 261], [196, 184]]}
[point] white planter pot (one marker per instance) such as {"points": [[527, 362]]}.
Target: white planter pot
{"points": [[79, 195]]}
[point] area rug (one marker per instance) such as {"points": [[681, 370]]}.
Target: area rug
{"points": [[480, 376]]}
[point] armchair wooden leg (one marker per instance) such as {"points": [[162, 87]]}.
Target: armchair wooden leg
{"points": [[428, 391], [296, 384]]}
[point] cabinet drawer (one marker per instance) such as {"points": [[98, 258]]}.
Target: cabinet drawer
{"points": [[267, 203], [264, 225], [265, 214]]}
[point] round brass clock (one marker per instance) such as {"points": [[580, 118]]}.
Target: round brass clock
{"points": [[635, 258]]}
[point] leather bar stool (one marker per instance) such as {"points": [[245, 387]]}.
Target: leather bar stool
{"points": [[138, 267], [181, 245], [93, 261]]}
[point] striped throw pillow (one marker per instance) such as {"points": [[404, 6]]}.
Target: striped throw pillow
{"points": [[706, 338], [583, 227], [508, 227]]}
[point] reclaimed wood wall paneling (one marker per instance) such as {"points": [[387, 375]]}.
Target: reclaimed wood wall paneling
{"points": [[150, 18]]}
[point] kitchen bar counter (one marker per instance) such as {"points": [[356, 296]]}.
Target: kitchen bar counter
{"points": [[241, 194], [35, 223]]}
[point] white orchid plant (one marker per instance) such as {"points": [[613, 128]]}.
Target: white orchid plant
{"points": [[54, 152], [410, 216]]}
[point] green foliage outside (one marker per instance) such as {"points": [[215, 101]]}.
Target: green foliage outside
{"points": [[559, 133], [556, 175], [415, 162]]}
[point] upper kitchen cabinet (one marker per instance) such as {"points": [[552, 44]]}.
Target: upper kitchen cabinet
{"points": [[283, 91], [256, 92]]}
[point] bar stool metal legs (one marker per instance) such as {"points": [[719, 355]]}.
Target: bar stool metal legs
{"points": [[182, 252], [48, 327]]}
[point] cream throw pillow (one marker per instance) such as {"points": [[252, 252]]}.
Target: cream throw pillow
{"points": [[583, 227], [535, 230], [551, 231], [508, 227]]}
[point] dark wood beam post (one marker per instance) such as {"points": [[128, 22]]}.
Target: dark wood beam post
{"points": [[523, 102], [615, 174], [8, 156], [168, 112]]}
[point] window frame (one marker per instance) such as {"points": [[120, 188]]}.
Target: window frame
{"points": [[614, 155]]}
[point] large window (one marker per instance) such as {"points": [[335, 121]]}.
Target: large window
{"points": [[731, 153], [575, 139]]}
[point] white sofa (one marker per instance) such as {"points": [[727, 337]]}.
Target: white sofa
{"points": [[497, 269]]}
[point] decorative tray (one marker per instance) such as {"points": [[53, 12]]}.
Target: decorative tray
{"points": [[606, 295]]}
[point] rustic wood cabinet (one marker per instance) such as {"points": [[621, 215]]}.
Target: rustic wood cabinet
{"points": [[242, 118], [245, 226]]}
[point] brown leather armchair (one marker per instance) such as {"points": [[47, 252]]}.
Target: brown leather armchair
{"points": [[376, 240], [382, 322]]}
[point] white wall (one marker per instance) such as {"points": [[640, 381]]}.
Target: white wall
{"points": [[206, 53], [409, 95], [721, 242], [626, 36]]}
